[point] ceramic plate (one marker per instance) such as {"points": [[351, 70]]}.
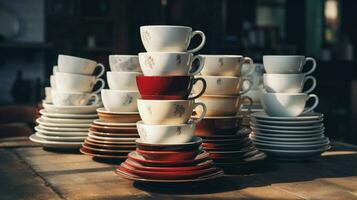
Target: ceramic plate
{"points": [[66, 120], [114, 129], [203, 165], [110, 142], [287, 123], [196, 142], [109, 151], [59, 133], [110, 146], [275, 135], [110, 138], [306, 117], [219, 117], [295, 154], [102, 134], [306, 127], [91, 109], [287, 139], [61, 125], [90, 153], [58, 138], [263, 130], [55, 144], [100, 122], [286, 146], [307, 141], [60, 129], [63, 115], [102, 110]]}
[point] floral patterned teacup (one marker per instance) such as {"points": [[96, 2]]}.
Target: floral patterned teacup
{"points": [[224, 65], [74, 98], [120, 100], [67, 82], [223, 85], [124, 63], [122, 80], [76, 65]]}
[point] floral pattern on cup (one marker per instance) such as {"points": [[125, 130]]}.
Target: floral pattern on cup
{"points": [[179, 130], [221, 63], [149, 61], [124, 63], [146, 36], [178, 60], [179, 110]]}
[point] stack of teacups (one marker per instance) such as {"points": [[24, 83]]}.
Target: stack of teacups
{"points": [[167, 150], [286, 130], [223, 97], [113, 135], [66, 119]]}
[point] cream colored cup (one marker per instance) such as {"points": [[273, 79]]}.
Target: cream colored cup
{"points": [[124, 63], [120, 100], [53, 82], [287, 64], [223, 85], [74, 98], [122, 80], [77, 83], [287, 83], [163, 112], [76, 65], [48, 93], [224, 65]]}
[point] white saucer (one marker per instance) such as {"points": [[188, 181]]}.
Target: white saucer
{"points": [[264, 130], [102, 110], [306, 117], [62, 115], [288, 139], [277, 135], [66, 120], [294, 154], [91, 135], [52, 128], [58, 138], [55, 144], [283, 141], [61, 125], [290, 146], [307, 127], [99, 122], [60, 133], [287, 123], [90, 109]]}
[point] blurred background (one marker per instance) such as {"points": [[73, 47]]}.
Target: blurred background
{"points": [[34, 32]]}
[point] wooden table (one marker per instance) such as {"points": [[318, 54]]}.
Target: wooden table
{"points": [[28, 172]]}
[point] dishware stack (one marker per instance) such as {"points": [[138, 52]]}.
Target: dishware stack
{"points": [[286, 130], [66, 118], [223, 138], [167, 150], [113, 135]]}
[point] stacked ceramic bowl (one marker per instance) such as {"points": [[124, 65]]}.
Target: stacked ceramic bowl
{"points": [[167, 150], [113, 135], [287, 130], [220, 128], [65, 121]]}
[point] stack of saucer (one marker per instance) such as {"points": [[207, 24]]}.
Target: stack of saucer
{"points": [[113, 135], [65, 121], [167, 150], [286, 130]]}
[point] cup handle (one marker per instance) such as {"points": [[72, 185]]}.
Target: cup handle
{"points": [[96, 98], [240, 84], [102, 70], [202, 114], [200, 67], [313, 65], [245, 98], [202, 42], [313, 106], [101, 87], [313, 79], [203, 88], [250, 61]]}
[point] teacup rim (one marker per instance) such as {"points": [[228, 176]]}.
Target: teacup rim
{"points": [[165, 26], [189, 122], [70, 92], [276, 74], [72, 74], [220, 96], [217, 77], [164, 52], [122, 72], [285, 56], [222, 55], [163, 76], [284, 94], [120, 91], [76, 57], [124, 55]]}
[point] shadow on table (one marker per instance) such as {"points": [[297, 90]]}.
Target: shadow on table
{"points": [[61, 150]]}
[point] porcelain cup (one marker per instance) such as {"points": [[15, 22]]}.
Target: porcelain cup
{"points": [[164, 112], [48, 93], [163, 38], [287, 104], [76, 65], [225, 65], [169, 63], [286, 64], [61, 98], [120, 100], [166, 134], [287, 83], [53, 82], [77, 83], [124, 63], [122, 80], [223, 85], [55, 69]]}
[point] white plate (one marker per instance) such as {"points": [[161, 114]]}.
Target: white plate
{"points": [[288, 139], [276, 135], [52, 128], [263, 130], [294, 141], [311, 127], [55, 144], [62, 125], [99, 122], [102, 110], [290, 146], [91, 109], [294, 154], [306, 117], [59, 133], [66, 120], [58, 138], [91, 135], [62, 115], [287, 123]]}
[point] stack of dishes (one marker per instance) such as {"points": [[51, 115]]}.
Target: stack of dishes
{"points": [[66, 118], [286, 130]]}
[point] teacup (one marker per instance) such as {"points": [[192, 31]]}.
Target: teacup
{"points": [[210, 127], [120, 100], [166, 134], [48, 93], [53, 82], [287, 104], [163, 38], [287, 83], [74, 98], [163, 112], [221, 105], [54, 69], [122, 80], [223, 85], [224, 65], [169, 87], [285, 64], [169, 63], [77, 83], [76, 65], [124, 63]]}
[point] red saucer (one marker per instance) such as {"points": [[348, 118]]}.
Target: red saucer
{"points": [[168, 155], [199, 166], [189, 146]]}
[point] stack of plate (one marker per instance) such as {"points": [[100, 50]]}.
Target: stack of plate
{"points": [[63, 126], [112, 136], [289, 138], [184, 162]]}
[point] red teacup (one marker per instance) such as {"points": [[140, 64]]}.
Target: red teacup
{"points": [[168, 87]]}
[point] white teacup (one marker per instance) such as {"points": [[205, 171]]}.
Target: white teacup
{"points": [[162, 112], [224, 65], [77, 83], [76, 65], [166, 134], [223, 85], [122, 80], [163, 38], [120, 100], [287, 83], [124, 63], [169, 63], [54, 69], [48, 93], [287, 104], [285, 64], [74, 98], [53, 82], [221, 105]]}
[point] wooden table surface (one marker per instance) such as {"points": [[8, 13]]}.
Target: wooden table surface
{"points": [[28, 172]]}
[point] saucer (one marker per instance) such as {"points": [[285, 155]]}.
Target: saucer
{"points": [[109, 151], [288, 123], [66, 120], [91, 135], [197, 141], [110, 146], [62, 125], [104, 134], [68, 115], [90, 153], [263, 130], [55, 144], [58, 129], [295, 154], [202, 165], [110, 142], [305, 117], [60, 133], [90, 109], [297, 136], [114, 129], [322, 140], [103, 123], [58, 138], [306, 127], [102, 110]]}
